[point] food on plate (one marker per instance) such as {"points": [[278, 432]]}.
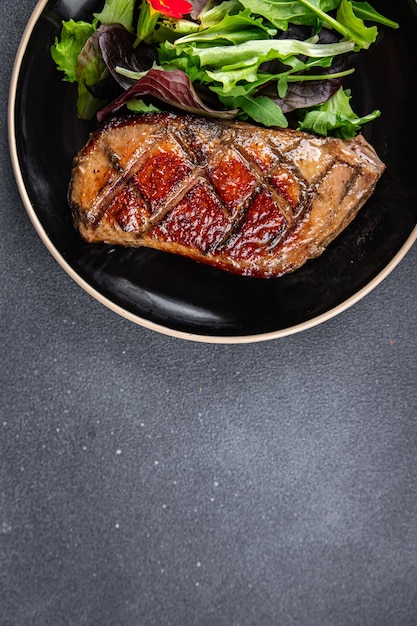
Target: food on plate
{"points": [[186, 171], [242, 198]]}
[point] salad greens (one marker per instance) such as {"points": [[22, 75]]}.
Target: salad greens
{"points": [[275, 62]]}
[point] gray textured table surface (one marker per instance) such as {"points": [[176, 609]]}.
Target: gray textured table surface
{"points": [[152, 481]]}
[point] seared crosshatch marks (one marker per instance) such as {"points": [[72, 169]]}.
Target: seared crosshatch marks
{"points": [[253, 201], [232, 180], [162, 172], [276, 172], [241, 198], [200, 141], [287, 185], [311, 159], [335, 183], [262, 228], [198, 220], [129, 210], [258, 152]]}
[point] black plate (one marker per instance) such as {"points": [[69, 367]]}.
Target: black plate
{"points": [[181, 297]]}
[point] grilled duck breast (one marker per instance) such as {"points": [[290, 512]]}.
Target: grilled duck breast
{"points": [[249, 200]]}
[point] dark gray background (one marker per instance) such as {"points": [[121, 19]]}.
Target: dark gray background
{"points": [[150, 481]]}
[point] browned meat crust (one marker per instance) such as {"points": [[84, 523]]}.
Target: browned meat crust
{"points": [[249, 200]]}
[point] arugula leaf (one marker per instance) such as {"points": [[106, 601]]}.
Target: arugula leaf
{"points": [[282, 13], [117, 12], [347, 24], [260, 108], [361, 34], [65, 50], [336, 117], [366, 12]]}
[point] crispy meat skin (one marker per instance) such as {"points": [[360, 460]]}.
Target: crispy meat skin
{"points": [[249, 200]]}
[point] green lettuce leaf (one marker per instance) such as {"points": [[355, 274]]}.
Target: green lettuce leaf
{"points": [[137, 105], [212, 15], [281, 13], [251, 52], [231, 29], [230, 78], [233, 64], [117, 12], [65, 51]]}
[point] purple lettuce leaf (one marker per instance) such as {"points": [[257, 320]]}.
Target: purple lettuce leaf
{"points": [[171, 87], [198, 7], [307, 94], [116, 45], [301, 95]]}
